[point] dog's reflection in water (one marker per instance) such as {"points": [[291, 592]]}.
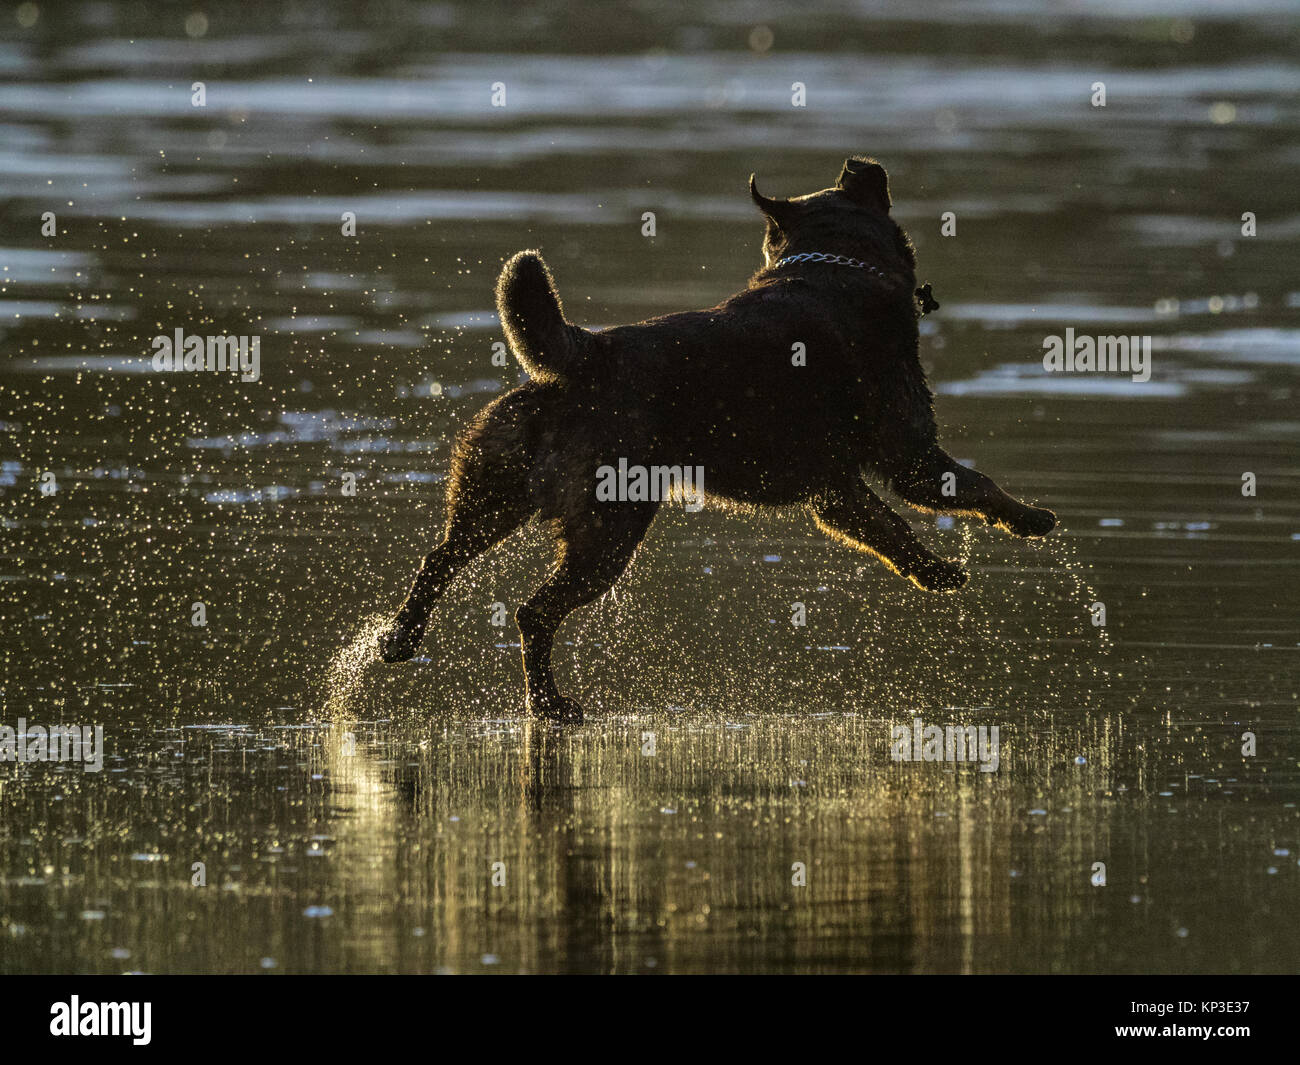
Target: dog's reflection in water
{"points": [[718, 389]]}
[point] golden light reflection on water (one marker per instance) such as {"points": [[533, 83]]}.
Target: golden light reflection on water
{"points": [[648, 841], [609, 858]]}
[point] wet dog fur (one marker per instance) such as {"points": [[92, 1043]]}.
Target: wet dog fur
{"points": [[716, 388]]}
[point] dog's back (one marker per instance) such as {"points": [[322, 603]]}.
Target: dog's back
{"points": [[763, 390]]}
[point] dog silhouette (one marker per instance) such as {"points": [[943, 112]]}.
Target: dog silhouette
{"points": [[784, 395]]}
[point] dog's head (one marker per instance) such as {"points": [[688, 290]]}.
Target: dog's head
{"points": [[850, 218]]}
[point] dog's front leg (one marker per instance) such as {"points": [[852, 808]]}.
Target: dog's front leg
{"points": [[939, 483], [857, 516]]}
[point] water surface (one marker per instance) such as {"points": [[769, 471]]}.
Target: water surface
{"points": [[352, 817]]}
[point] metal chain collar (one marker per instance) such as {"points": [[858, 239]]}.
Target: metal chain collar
{"points": [[925, 294], [823, 257]]}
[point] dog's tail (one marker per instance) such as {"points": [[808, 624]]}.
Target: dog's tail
{"points": [[545, 344]]}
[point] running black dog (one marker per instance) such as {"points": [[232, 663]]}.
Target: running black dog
{"points": [[784, 394]]}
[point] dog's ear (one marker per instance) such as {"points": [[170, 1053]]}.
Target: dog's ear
{"points": [[865, 182], [778, 211]]}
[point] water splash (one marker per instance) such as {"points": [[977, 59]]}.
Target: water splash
{"points": [[1078, 571], [350, 667]]}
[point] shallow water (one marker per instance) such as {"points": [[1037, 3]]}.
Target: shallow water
{"points": [[350, 816]]}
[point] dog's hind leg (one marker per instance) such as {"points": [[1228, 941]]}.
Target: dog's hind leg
{"points": [[593, 553], [939, 483], [487, 499], [855, 515], [469, 534]]}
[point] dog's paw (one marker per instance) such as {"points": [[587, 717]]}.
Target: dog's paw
{"points": [[559, 708], [398, 644], [938, 575], [1034, 521]]}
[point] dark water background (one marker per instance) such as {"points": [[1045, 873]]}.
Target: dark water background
{"points": [[349, 815]]}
